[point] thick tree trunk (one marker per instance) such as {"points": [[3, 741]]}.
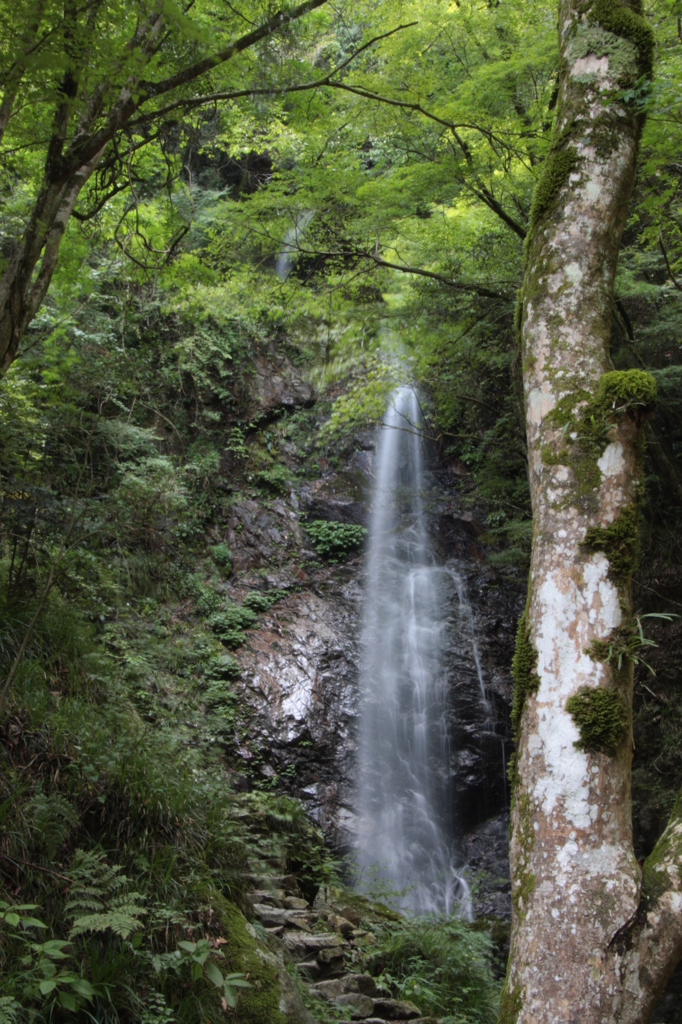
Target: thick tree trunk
{"points": [[588, 945]]}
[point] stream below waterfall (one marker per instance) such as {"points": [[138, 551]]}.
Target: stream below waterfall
{"points": [[405, 801]]}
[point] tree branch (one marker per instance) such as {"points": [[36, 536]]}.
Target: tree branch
{"points": [[667, 262], [651, 947], [194, 71], [190, 103]]}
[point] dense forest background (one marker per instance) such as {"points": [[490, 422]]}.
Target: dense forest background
{"points": [[358, 215]]}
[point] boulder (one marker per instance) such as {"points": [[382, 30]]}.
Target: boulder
{"points": [[270, 917], [360, 1005], [329, 955], [351, 915], [295, 903], [395, 1009], [350, 983]]}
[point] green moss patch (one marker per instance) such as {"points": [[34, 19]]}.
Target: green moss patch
{"points": [[585, 419], [510, 1005], [619, 646], [260, 1003], [333, 540], [619, 542], [621, 20], [655, 877], [626, 391], [523, 670], [601, 717], [556, 171]]}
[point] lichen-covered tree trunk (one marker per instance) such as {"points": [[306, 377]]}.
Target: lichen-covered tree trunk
{"points": [[589, 942]]}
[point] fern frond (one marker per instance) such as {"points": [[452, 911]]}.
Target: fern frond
{"points": [[52, 820]]}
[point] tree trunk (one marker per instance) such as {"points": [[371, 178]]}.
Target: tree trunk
{"points": [[589, 943]]}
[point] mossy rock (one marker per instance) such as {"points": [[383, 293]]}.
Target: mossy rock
{"points": [[272, 998]]}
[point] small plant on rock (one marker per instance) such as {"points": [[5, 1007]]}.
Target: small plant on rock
{"points": [[334, 541]]}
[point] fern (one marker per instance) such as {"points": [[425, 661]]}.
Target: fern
{"points": [[155, 1010], [52, 818], [99, 900], [9, 1010]]}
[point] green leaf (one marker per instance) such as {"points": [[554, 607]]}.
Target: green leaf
{"points": [[214, 974], [83, 988], [47, 986], [53, 948], [189, 946], [68, 1001], [32, 922], [12, 919]]}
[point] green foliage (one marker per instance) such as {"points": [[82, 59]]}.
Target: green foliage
{"points": [[624, 644], [602, 719], [274, 481], [222, 556], [99, 900], [230, 624], [333, 540], [259, 602], [53, 819], [441, 964]]}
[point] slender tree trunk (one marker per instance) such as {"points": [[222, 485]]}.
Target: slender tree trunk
{"points": [[589, 943]]}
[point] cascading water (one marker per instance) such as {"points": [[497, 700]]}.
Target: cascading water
{"points": [[404, 798]]}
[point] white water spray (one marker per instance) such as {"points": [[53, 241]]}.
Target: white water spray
{"points": [[291, 245], [404, 798]]}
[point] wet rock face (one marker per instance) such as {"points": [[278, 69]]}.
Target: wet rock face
{"points": [[486, 848], [300, 669], [300, 680]]}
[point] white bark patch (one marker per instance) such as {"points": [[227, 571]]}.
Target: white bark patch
{"points": [[601, 595], [612, 461], [568, 617], [574, 274], [540, 402], [590, 65]]}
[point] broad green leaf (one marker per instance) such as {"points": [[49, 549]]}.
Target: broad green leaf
{"points": [[214, 974]]}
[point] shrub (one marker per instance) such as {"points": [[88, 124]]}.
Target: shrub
{"points": [[333, 540], [222, 556]]}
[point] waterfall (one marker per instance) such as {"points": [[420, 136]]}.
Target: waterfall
{"points": [[291, 244], [404, 799]]}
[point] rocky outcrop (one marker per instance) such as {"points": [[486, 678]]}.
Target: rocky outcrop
{"points": [[277, 385]]}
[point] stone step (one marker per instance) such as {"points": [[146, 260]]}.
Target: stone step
{"points": [[332, 989]]}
